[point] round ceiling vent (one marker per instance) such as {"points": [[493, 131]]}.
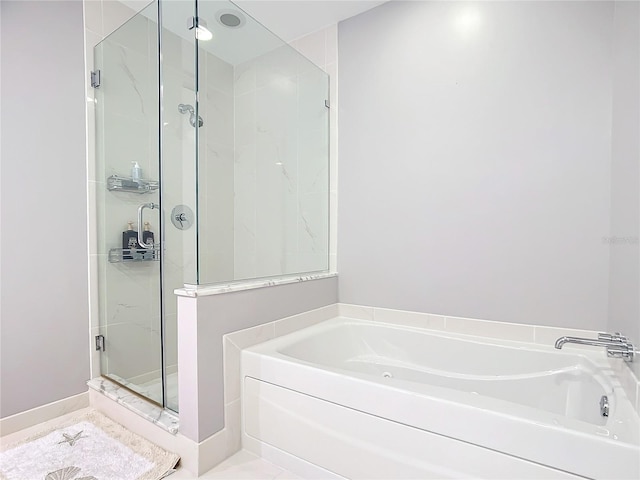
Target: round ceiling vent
{"points": [[230, 18]]}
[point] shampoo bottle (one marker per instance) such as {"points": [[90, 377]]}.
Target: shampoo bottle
{"points": [[147, 237], [136, 172], [129, 242]]}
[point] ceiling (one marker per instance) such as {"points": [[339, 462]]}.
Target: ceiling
{"points": [[284, 20], [295, 18]]}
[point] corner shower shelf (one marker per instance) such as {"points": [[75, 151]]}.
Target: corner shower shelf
{"points": [[127, 184], [119, 255]]}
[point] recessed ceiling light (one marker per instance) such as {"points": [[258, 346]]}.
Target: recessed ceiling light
{"points": [[230, 18]]}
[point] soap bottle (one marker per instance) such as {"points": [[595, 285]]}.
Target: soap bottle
{"points": [[129, 243], [136, 173], [148, 239]]}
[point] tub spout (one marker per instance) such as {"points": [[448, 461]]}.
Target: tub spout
{"points": [[616, 344]]}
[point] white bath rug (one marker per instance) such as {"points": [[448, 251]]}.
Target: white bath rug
{"points": [[89, 447]]}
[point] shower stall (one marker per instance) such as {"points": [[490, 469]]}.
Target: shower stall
{"points": [[212, 166]]}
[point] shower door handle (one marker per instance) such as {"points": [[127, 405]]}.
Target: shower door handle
{"points": [[140, 209]]}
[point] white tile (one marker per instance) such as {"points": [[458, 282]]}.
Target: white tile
{"points": [[218, 116], [244, 465], [92, 199], [251, 336], [95, 359], [332, 71], [286, 475], [628, 382], [245, 119], [219, 74], [231, 355], [355, 311], [133, 350], [331, 44], [93, 16], [410, 319], [483, 328], [133, 32], [333, 262], [303, 320], [94, 290], [333, 228], [244, 78], [182, 473], [313, 227], [114, 14], [233, 426], [171, 340], [278, 66]]}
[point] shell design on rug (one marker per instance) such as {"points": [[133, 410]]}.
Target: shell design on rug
{"points": [[67, 473]]}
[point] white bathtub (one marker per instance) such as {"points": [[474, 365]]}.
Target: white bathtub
{"points": [[361, 399]]}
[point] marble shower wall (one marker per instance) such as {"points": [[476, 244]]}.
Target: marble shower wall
{"points": [[216, 170], [281, 179]]}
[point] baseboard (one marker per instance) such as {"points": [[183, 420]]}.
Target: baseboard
{"points": [[215, 449], [44, 413]]}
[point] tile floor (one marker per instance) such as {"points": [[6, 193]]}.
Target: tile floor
{"points": [[241, 466]]}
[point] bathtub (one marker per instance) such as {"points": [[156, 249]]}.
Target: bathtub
{"points": [[360, 399]]}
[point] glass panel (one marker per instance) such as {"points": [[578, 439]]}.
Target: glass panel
{"points": [[264, 153], [126, 178], [179, 171]]}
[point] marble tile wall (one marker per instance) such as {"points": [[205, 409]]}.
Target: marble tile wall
{"points": [[281, 145], [216, 170]]}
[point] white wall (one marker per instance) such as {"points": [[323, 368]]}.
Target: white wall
{"points": [[475, 149], [45, 324], [624, 286]]}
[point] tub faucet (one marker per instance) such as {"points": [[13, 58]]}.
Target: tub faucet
{"points": [[617, 345]]}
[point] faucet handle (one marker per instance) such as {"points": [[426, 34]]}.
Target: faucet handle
{"points": [[624, 350], [613, 337]]}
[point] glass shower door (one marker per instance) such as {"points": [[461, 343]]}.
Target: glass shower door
{"points": [[128, 202]]}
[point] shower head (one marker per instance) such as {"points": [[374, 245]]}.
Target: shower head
{"points": [[185, 108]]}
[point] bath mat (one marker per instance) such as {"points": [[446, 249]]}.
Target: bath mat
{"points": [[88, 447]]}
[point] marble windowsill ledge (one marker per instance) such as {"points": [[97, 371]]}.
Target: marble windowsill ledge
{"points": [[204, 290], [155, 414]]}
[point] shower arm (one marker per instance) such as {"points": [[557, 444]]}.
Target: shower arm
{"points": [[140, 209]]}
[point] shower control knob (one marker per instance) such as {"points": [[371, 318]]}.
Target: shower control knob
{"points": [[182, 217]]}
